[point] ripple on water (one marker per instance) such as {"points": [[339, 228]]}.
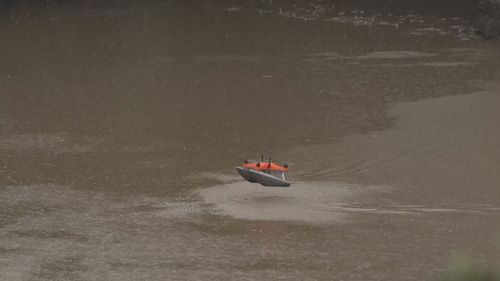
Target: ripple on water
{"points": [[315, 202]]}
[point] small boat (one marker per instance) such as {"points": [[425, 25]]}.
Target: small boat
{"points": [[266, 173]]}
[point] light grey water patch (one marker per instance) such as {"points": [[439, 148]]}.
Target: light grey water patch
{"points": [[223, 178], [413, 210], [447, 64], [53, 142], [235, 9], [303, 202], [429, 64], [329, 55], [228, 58], [467, 51], [314, 203], [395, 55], [380, 55]]}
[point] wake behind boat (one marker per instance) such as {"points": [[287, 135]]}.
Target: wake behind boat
{"points": [[266, 173]]}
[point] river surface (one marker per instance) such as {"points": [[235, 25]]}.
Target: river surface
{"points": [[121, 123]]}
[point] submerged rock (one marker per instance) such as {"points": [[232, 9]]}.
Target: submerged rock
{"points": [[489, 20]]}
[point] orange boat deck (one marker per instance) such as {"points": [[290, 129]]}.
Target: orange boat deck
{"points": [[266, 166]]}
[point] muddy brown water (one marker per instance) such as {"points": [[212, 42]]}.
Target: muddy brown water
{"points": [[121, 124]]}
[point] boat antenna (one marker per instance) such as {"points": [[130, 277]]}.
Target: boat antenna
{"points": [[262, 158], [269, 163]]}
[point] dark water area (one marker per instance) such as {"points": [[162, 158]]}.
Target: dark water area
{"points": [[121, 123], [441, 8], [466, 9], [438, 8]]}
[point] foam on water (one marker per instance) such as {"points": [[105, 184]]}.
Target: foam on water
{"points": [[313, 202], [309, 202]]}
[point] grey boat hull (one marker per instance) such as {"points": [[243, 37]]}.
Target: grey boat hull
{"points": [[261, 177]]}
